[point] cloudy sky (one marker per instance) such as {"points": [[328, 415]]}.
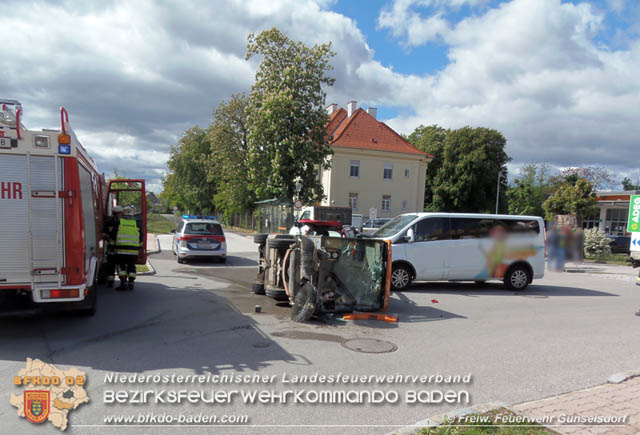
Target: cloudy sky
{"points": [[560, 79]]}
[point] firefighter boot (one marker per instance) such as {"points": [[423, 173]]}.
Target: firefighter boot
{"points": [[123, 285], [131, 285]]}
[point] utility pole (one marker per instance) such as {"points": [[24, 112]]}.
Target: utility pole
{"points": [[500, 175]]}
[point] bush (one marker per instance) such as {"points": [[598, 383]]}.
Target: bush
{"points": [[596, 243]]}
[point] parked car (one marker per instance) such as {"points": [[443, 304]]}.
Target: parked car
{"points": [[199, 237], [371, 226], [620, 244], [465, 247]]}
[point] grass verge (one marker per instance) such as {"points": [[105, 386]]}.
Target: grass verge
{"points": [[142, 268], [158, 224], [498, 421]]}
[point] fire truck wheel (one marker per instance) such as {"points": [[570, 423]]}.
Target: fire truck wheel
{"points": [[260, 239], [257, 288], [280, 243], [91, 302]]}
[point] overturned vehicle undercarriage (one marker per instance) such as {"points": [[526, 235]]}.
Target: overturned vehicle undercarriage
{"points": [[320, 275]]}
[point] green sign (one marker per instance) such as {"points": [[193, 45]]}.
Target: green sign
{"points": [[634, 214]]}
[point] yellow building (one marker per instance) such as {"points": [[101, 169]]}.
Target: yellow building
{"points": [[372, 166]]}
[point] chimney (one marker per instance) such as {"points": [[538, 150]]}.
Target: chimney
{"points": [[351, 107], [331, 108], [373, 112]]}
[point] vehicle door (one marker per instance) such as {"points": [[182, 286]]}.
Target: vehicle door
{"points": [[427, 251], [469, 250]]}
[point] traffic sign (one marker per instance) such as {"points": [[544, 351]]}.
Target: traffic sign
{"points": [[635, 242], [297, 204], [634, 214], [175, 208], [373, 213]]}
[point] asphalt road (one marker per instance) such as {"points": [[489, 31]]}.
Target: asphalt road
{"points": [[566, 332]]}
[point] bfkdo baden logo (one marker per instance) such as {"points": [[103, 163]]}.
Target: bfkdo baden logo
{"points": [[49, 394], [36, 405]]}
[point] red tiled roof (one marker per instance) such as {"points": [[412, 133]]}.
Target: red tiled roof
{"points": [[363, 131]]}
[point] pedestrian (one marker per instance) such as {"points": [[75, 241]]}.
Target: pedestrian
{"points": [[109, 235], [128, 243]]}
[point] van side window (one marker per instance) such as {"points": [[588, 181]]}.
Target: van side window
{"points": [[470, 228], [523, 226], [305, 215], [432, 229]]}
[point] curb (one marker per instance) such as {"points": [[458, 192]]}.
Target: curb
{"points": [[623, 376], [152, 271], [440, 419]]}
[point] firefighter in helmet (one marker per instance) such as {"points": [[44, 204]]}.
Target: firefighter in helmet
{"points": [[128, 243], [109, 234]]}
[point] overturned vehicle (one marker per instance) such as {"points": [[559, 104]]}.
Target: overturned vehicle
{"points": [[320, 275]]}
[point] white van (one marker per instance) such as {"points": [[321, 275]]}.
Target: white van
{"points": [[465, 247]]}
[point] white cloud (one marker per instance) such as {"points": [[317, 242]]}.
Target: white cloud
{"points": [[532, 70]]}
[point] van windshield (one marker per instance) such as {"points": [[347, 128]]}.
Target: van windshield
{"points": [[394, 225]]}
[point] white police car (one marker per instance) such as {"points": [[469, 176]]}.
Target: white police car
{"points": [[199, 237]]}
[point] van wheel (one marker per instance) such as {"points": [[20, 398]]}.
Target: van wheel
{"points": [[517, 278], [400, 277], [180, 260]]}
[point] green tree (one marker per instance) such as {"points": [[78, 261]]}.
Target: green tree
{"points": [[627, 184], [530, 190], [187, 185], [229, 161], [465, 173], [430, 139], [287, 136], [125, 198], [578, 199]]}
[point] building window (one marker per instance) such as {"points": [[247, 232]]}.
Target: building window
{"points": [[388, 171], [615, 223], [406, 173], [354, 169], [386, 203], [353, 201], [405, 204]]}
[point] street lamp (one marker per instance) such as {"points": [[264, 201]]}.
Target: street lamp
{"points": [[298, 187], [500, 175]]}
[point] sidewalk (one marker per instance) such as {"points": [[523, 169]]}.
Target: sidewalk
{"points": [[608, 400], [615, 271], [616, 404]]}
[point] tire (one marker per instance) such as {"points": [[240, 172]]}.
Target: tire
{"points": [[180, 260], [260, 238], [280, 243], [304, 304], [223, 259], [277, 294], [400, 277], [92, 302], [257, 288], [517, 278]]}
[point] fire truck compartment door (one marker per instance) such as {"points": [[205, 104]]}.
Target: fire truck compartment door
{"points": [[30, 225]]}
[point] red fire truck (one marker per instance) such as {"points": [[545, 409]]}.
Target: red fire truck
{"points": [[53, 202]]}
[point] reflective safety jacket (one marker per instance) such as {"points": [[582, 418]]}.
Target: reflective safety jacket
{"points": [[128, 238]]}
